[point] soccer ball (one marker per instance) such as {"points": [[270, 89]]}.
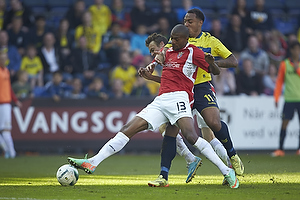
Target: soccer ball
{"points": [[67, 175]]}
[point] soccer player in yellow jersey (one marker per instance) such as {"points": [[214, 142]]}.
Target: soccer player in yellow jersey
{"points": [[204, 95]]}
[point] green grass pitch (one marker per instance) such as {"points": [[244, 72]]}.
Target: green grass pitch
{"points": [[126, 177]]}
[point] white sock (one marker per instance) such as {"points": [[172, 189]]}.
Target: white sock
{"points": [[9, 143], [183, 150], [220, 150], [206, 149], [113, 146], [2, 144]]}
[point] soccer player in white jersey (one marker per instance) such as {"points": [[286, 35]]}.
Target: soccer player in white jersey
{"points": [[173, 104], [6, 97]]}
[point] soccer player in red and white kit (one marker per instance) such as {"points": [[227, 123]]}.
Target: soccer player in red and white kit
{"points": [[173, 104], [6, 96]]}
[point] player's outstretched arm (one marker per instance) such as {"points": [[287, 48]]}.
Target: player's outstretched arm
{"points": [[229, 62], [213, 67], [160, 56], [143, 72]]}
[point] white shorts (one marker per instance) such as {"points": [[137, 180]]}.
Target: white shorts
{"points": [[200, 121], [5, 116], [168, 107]]}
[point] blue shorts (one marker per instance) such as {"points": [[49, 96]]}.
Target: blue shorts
{"points": [[289, 109], [204, 97]]}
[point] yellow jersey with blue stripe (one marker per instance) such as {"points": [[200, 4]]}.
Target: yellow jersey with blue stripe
{"points": [[208, 44]]}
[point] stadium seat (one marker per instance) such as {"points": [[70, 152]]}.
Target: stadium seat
{"points": [[35, 3], [208, 4], [250, 3], [37, 10], [55, 15], [293, 7], [292, 4], [177, 4], [274, 4], [58, 3], [285, 26], [87, 2], [207, 24], [39, 92], [223, 7]]}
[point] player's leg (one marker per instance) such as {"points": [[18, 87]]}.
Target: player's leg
{"points": [[211, 116], [176, 106], [206, 104], [6, 129], [187, 128], [149, 118], [209, 136], [181, 147], [3, 146], [287, 115], [168, 152], [179, 112], [9, 143], [113, 146]]}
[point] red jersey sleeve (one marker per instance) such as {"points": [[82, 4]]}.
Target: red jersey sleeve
{"points": [[199, 59], [279, 81], [13, 96], [298, 71]]}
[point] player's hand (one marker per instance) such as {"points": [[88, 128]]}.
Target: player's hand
{"points": [[209, 58], [159, 57], [19, 104], [276, 104], [143, 72], [150, 68]]}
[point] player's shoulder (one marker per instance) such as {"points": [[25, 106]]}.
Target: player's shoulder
{"points": [[92, 7], [193, 46], [208, 36], [197, 51]]}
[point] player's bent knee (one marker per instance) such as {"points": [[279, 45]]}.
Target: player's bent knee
{"points": [[215, 125], [134, 126], [190, 137]]}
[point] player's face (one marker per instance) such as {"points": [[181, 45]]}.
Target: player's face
{"points": [[193, 24], [178, 41], [153, 47], [295, 52]]}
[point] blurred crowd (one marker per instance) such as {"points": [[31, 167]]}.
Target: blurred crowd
{"points": [[95, 50]]}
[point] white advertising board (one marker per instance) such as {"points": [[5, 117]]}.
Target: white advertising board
{"points": [[255, 122]]}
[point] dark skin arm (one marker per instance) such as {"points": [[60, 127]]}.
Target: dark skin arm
{"points": [[213, 67], [229, 62], [143, 72]]}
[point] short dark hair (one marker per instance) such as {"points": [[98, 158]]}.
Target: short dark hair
{"points": [[199, 14], [293, 44], [58, 72], [40, 17], [181, 29], [29, 46], [157, 38]]}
